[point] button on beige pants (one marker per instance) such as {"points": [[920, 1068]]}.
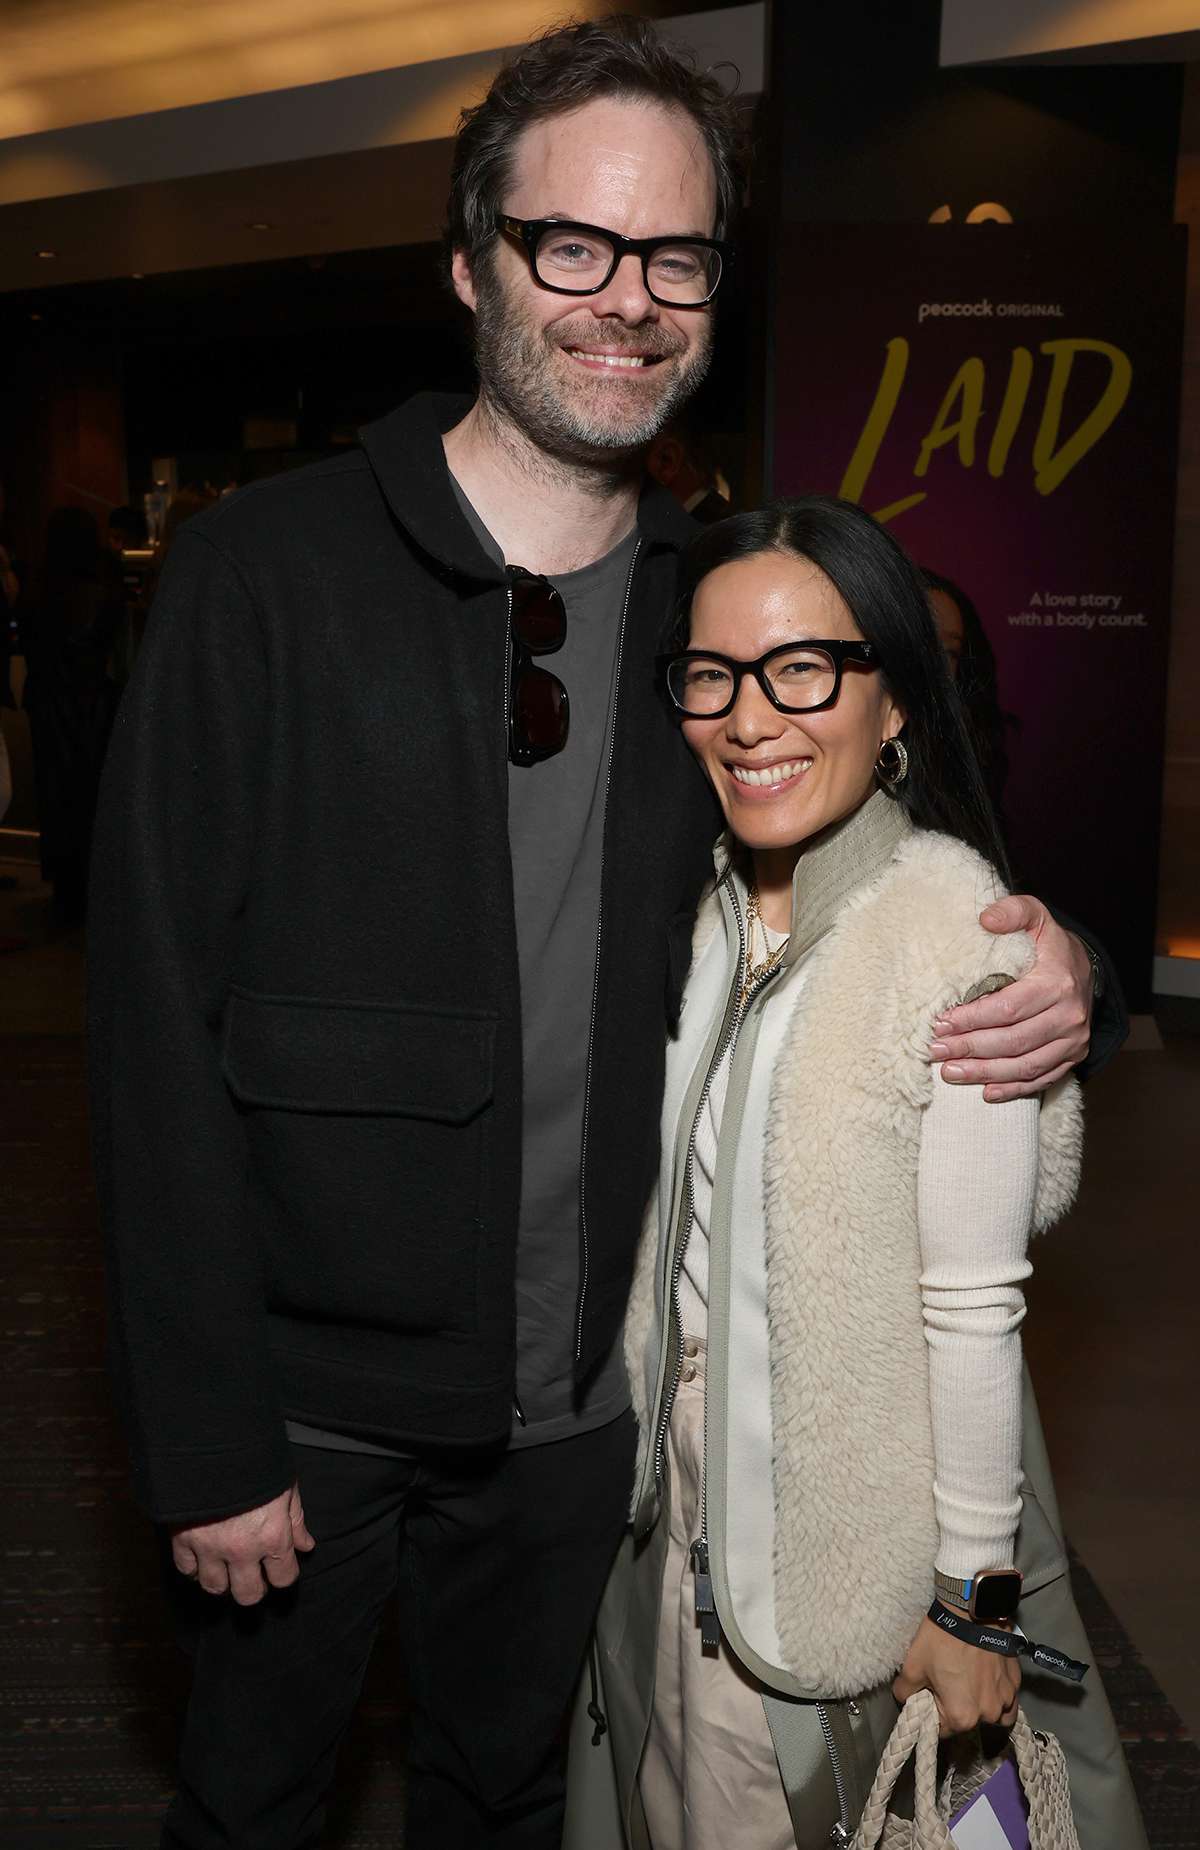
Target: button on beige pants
{"points": [[709, 1778]]}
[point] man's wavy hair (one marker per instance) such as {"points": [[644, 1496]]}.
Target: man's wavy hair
{"points": [[566, 67]]}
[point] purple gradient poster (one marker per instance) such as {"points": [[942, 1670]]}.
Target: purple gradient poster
{"points": [[1006, 400]]}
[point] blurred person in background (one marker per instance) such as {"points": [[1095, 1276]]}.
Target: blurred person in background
{"points": [[126, 530], [679, 459], [973, 664], [10, 591], [190, 500], [127, 533], [69, 695], [7, 881], [398, 858]]}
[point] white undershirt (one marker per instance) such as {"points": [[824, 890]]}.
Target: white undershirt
{"points": [[977, 1174]]}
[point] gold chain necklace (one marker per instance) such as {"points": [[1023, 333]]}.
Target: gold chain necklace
{"points": [[755, 971]]}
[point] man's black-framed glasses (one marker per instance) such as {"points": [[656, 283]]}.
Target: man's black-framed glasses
{"points": [[796, 677], [539, 710], [576, 259]]}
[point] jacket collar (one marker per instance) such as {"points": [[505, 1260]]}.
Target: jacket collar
{"points": [[405, 452], [836, 864]]}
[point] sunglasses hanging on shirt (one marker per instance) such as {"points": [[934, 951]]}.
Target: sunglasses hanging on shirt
{"points": [[539, 710]]}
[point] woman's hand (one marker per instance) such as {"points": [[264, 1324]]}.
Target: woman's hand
{"points": [[969, 1685]]}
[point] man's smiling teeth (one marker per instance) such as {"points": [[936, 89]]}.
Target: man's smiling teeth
{"points": [[775, 774], [609, 359]]}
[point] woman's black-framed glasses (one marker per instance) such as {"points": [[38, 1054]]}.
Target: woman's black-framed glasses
{"points": [[576, 259], [539, 710], [796, 677]]}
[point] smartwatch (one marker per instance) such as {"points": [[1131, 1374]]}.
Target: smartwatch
{"points": [[989, 1597]]}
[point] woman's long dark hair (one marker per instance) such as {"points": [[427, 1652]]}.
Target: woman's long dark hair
{"points": [[886, 596]]}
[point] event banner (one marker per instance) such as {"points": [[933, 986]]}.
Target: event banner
{"points": [[1006, 401]]}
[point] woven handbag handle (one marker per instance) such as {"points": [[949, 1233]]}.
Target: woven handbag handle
{"points": [[1044, 1777], [916, 1727], [1041, 1766], [1027, 1752]]}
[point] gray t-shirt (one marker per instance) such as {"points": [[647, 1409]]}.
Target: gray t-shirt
{"points": [[556, 836]]}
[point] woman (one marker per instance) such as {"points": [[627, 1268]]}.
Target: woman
{"points": [[823, 1330]]}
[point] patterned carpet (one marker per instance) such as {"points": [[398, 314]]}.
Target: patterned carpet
{"points": [[90, 1686]]}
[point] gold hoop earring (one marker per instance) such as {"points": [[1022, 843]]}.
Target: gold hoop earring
{"points": [[892, 769]]}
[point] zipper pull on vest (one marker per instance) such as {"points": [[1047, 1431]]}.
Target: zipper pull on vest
{"points": [[706, 1609]]}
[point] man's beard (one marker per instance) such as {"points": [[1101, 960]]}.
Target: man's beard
{"points": [[595, 420]]}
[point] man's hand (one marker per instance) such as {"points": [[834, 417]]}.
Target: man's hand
{"points": [[1018, 1041], [969, 1685], [246, 1554]]}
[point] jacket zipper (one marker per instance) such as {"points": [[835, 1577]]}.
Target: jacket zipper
{"points": [[736, 1017], [508, 668], [840, 1833], [664, 1414], [591, 1040], [706, 1610], [706, 1605], [518, 1409]]}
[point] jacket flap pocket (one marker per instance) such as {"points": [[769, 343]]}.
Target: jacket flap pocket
{"points": [[299, 1053]]}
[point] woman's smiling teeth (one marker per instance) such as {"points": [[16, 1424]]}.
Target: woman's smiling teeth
{"points": [[772, 775]]}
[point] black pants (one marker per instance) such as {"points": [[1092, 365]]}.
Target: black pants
{"points": [[498, 1564]]}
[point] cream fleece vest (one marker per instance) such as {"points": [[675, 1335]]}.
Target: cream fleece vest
{"points": [[855, 1534]]}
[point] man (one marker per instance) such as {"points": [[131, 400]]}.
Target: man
{"points": [[677, 459], [126, 530], [385, 948]]}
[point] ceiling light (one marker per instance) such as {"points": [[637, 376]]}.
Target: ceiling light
{"points": [[260, 224], [47, 255]]}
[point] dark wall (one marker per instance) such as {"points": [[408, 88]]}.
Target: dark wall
{"points": [[864, 126]]}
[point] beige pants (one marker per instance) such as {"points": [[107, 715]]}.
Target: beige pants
{"points": [[709, 1777]]}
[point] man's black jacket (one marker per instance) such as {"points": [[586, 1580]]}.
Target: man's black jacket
{"points": [[305, 1013], [304, 1008]]}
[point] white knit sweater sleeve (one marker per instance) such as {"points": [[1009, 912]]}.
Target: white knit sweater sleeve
{"points": [[977, 1179]]}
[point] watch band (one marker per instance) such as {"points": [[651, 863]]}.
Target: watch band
{"points": [[952, 1590], [991, 1593], [1007, 1644]]}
